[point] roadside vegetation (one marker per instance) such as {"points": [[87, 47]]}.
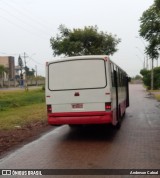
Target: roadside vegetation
{"points": [[156, 94], [149, 31], [19, 108], [147, 78], [147, 81]]}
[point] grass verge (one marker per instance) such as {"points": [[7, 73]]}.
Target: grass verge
{"points": [[15, 99], [21, 116], [18, 108], [156, 94]]}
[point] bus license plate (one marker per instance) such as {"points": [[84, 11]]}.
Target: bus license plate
{"points": [[77, 106]]}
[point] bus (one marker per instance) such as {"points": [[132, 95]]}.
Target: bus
{"points": [[84, 90]]}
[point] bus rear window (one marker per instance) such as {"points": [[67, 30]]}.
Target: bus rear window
{"points": [[77, 74]]}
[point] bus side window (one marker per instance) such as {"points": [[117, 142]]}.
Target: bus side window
{"points": [[119, 78], [116, 78], [112, 74], [124, 79]]}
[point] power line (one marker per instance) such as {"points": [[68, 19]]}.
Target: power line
{"points": [[21, 20], [17, 25], [9, 54], [35, 61], [37, 21], [28, 14]]}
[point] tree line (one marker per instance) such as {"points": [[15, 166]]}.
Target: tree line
{"points": [[147, 78], [150, 31]]}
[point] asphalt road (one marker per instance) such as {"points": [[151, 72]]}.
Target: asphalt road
{"points": [[135, 146]]}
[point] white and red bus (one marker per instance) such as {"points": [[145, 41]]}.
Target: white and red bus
{"points": [[86, 90]]}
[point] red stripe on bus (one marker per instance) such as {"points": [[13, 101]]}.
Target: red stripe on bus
{"points": [[80, 118]]}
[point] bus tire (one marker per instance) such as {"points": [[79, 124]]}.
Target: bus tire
{"points": [[74, 125], [124, 114], [56, 125], [118, 125]]}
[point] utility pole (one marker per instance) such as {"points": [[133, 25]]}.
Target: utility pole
{"points": [[152, 75], [145, 48], [36, 74], [20, 63], [147, 66], [36, 69], [144, 66], [26, 84]]}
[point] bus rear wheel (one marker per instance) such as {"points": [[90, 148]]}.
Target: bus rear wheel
{"points": [[75, 125], [118, 125]]}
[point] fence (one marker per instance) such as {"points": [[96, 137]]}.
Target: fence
{"points": [[15, 83]]}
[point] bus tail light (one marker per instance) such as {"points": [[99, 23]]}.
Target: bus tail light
{"points": [[108, 106], [49, 109]]}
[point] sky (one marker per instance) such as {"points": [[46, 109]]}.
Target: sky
{"points": [[27, 26]]}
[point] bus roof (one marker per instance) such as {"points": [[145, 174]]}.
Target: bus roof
{"points": [[105, 57], [78, 57]]}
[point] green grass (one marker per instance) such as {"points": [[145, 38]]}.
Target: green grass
{"points": [[18, 108], [13, 99], [21, 116], [157, 96], [156, 93]]}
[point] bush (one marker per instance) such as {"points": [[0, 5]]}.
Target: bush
{"points": [[43, 87], [147, 78]]}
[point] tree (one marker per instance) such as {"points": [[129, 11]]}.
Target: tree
{"points": [[86, 41], [147, 77], [28, 72], [20, 63], [149, 30], [138, 77], [2, 70]]}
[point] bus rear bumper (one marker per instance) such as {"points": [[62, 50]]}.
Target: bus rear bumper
{"points": [[80, 118]]}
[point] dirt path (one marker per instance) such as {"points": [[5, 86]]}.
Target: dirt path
{"points": [[19, 136]]}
